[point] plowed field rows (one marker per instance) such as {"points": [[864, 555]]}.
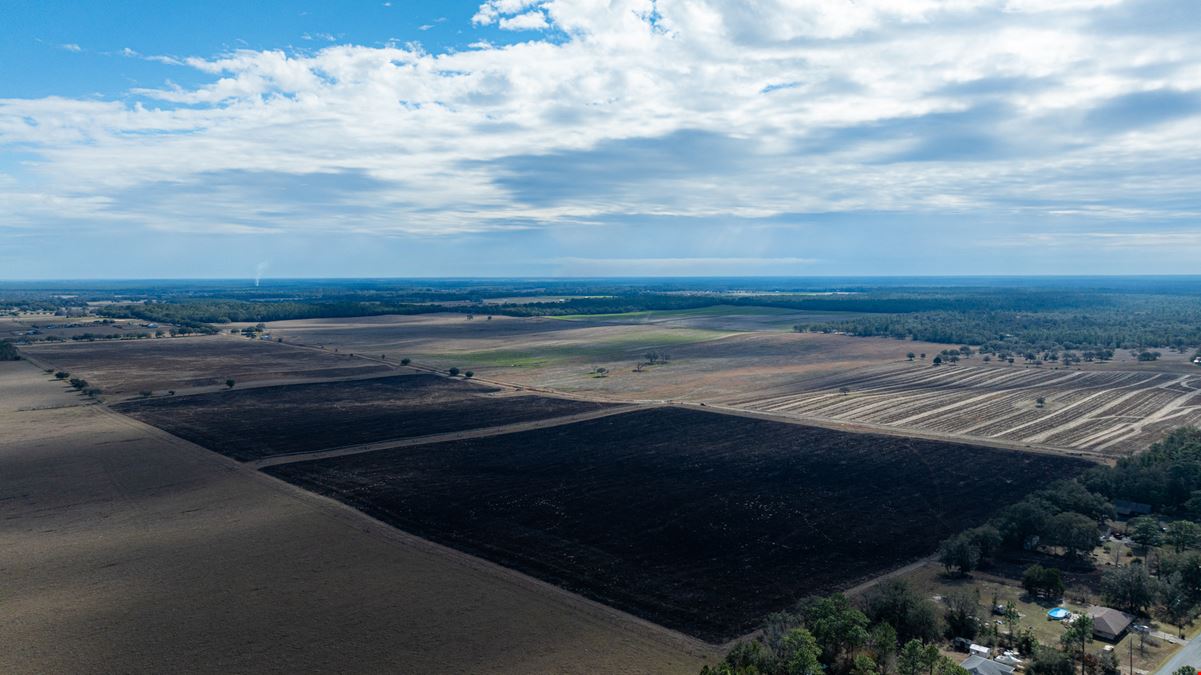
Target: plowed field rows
{"points": [[1101, 411]]}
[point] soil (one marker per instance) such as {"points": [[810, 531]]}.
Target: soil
{"points": [[698, 521], [1105, 412], [130, 366], [266, 421], [124, 550]]}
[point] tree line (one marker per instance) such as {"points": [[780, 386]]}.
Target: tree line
{"points": [[895, 630], [1067, 517]]}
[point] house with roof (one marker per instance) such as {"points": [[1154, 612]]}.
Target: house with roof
{"points": [[1125, 507], [1109, 624], [978, 665]]}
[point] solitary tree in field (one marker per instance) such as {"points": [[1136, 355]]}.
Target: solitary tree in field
{"points": [[405, 362], [229, 384], [909, 356], [938, 360], [844, 390], [1040, 401], [469, 374], [454, 372]]}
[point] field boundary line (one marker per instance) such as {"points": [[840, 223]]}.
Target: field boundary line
{"points": [[391, 444], [864, 428], [371, 526]]}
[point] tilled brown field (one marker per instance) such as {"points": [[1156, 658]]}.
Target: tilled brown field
{"points": [[125, 550], [1108, 411], [130, 366], [262, 422], [699, 521], [706, 364]]}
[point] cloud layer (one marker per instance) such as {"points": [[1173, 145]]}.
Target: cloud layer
{"points": [[1075, 120]]}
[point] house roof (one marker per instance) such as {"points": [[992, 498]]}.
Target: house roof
{"points": [[978, 665], [1125, 507], [1109, 622]]}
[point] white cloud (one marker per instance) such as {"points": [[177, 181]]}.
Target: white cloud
{"points": [[71, 47], [672, 109], [532, 20], [492, 10]]}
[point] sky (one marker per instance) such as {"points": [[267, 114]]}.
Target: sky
{"points": [[162, 139]]}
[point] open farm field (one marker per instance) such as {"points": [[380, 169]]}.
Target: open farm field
{"points": [[127, 550], [1105, 410], [560, 354], [717, 317], [127, 367], [699, 521], [37, 328], [262, 422]]}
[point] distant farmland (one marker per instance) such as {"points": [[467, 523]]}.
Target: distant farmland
{"points": [[1096, 410], [127, 367], [254, 423], [699, 521]]}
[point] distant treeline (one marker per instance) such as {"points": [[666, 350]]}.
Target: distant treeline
{"points": [[197, 314], [1020, 317], [1109, 322]]}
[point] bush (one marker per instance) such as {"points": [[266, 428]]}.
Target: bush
{"points": [[454, 372], [1043, 582], [8, 351], [896, 603]]}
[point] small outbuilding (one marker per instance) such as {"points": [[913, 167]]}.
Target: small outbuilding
{"points": [[1109, 624], [978, 665]]}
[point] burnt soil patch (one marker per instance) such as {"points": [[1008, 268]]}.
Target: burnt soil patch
{"points": [[698, 521], [255, 423]]}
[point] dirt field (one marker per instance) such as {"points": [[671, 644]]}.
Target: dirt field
{"points": [[127, 367], [266, 421], [125, 550], [560, 354], [49, 326], [698, 521], [1108, 408], [718, 317], [1107, 411]]}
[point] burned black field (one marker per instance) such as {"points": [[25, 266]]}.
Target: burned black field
{"points": [[255, 423], [699, 521]]}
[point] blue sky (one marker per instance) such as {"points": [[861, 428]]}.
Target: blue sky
{"points": [[576, 137]]}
